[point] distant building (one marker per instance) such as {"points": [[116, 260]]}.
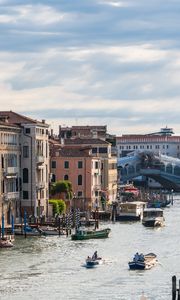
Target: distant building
{"points": [[34, 162], [83, 132], [158, 142]]}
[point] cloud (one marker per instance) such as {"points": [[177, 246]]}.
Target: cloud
{"points": [[100, 61]]}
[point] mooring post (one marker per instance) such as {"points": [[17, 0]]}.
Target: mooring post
{"points": [[179, 291], [174, 287]]}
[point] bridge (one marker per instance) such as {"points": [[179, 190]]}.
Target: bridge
{"points": [[164, 169]]}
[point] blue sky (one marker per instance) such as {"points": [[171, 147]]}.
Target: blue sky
{"points": [[86, 62]]}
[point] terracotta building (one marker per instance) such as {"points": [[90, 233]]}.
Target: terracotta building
{"points": [[82, 169], [102, 150]]}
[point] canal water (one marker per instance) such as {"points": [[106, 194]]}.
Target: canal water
{"points": [[53, 267]]}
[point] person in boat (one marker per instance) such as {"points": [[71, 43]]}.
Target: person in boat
{"points": [[141, 257], [95, 256], [136, 256]]}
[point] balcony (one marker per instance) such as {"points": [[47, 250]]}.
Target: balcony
{"points": [[40, 185], [11, 172], [11, 196], [40, 159]]}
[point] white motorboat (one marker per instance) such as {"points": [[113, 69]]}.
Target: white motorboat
{"points": [[153, 217]]}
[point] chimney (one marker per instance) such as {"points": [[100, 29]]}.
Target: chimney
{"points": [[43, 121], [52, 133]]}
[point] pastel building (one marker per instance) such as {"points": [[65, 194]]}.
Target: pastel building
{"points": [[102, 150], [34, 162], [10, 184], [82, 169]]}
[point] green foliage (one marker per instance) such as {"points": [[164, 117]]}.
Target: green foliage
{"points": [[59, 206], [62, 186]]}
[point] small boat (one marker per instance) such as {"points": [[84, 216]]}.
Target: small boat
{"points": [[50, 231], [129, 211], [29, 231], [4, 243], [90, 262], [153, 217], [144, 262], [83, 234]]}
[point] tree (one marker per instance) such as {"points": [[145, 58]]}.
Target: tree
{"points": [[59, 206], [62, 187]]}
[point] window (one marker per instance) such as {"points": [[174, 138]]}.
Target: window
{"points": [[53, 164], [103, 150], [27, 130], [53, 178], [80, 164], [79, 179], [25, 175], [96, 193], [79, 194], [66, 165], [25, 151], [96, 165], [66, 177], [94, 150], [25, 195]]}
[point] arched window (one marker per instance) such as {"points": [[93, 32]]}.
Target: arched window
{"points": [[79, 179], [66, 177], [25, 175], [169, 168], [177, 170], [131, 170]]}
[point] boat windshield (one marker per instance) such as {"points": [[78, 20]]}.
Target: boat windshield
{"points": [[153, 214]]}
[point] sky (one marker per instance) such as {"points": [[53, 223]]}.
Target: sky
{"points": [[92, 62]]}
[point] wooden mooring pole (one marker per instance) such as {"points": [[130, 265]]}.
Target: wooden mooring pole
{"points": [[174, 287], [179, 291]]}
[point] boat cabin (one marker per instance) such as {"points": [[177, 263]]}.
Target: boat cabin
{"points": [[131, 210], [152, 212]]}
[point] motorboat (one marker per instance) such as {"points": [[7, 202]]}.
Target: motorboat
{"points": [[128, 211], [143, 262], [153, 217], [91, 262], [83, 234], [5, 243]]}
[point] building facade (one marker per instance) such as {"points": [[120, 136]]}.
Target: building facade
{"points": [[102, 150], [84, 172], [9, 172], [34, 163]]}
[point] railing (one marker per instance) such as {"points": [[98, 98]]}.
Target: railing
{"points": [[11, 196], [40, 159], [11, 170], [40, 185]]}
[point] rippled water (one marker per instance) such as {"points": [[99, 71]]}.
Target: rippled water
{"points": [[52, 267]]}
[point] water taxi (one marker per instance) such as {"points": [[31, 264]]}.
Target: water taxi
{"points": [[83, 234], [130, 210], [153, 217]]}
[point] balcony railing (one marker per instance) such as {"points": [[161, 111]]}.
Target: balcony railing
{"points": [[40, 159], [40, 185], [11, 196]]}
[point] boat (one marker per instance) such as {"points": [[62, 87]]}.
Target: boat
{"points": [[50, 231], [153, 217], [158, 203], [29, 231], [4, 243], [90, 262], [83, 234], [128, 211], [144, 262]]}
